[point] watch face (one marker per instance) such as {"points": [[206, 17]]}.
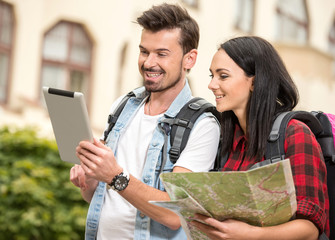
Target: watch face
{"points": [[121, 182]]}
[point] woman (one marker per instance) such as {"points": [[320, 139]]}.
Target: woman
{"points": [[251, 86]]}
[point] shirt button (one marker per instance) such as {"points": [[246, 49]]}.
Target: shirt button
{"points": [[142, 215]]}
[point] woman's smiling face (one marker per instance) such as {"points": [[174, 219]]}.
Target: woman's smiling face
{"points": [[229, 84]]}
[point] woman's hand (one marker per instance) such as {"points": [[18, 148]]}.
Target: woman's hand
{"points": [[232, 229], [228, 229]]}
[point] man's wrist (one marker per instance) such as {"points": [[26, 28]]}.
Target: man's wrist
{"points": [[113, 175], [119, 182]]}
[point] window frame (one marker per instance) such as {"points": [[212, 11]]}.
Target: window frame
{"points": [[191, 3], [67, 63], [302, 25], [239, 18], [8, 50]]}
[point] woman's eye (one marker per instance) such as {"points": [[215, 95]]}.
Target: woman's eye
{"points": [[221, 76]]}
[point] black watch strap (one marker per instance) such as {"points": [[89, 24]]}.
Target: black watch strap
{"points": [[119, 182]]}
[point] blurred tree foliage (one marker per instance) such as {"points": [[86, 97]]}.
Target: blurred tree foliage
{"points": [[37, 199]]}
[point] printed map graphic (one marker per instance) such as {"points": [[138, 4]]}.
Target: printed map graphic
{"points": [[263, 196]]}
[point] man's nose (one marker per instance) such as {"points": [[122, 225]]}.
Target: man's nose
{"points": [[150, 61]]}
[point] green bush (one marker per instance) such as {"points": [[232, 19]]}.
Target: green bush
{"points": [[37, 199]]}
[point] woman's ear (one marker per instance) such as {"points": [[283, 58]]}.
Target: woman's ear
{"points": [[190, 58], [252, 79]]}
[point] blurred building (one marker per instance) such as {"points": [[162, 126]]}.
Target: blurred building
{"points": [[92, 46]]}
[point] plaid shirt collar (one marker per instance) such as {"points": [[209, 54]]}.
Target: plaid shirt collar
{"points": [[239, 137]]}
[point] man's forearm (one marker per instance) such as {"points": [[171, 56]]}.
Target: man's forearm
{"points": [[138, 194]]}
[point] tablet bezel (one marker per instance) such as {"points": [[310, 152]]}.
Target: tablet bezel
{"points": [[69, 119]]}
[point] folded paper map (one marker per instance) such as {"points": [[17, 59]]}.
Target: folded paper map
{"points": [[264, 196]]}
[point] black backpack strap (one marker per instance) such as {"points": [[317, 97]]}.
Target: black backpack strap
{"points": [[326, 138], [183, 123], [112, 118], [275, 147]]}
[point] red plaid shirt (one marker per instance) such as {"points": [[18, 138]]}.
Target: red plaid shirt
{"points": [[308, 169]]}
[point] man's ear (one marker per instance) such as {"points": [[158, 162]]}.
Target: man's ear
{"points": [[190, 58]]}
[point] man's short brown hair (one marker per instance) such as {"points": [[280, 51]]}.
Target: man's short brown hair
{"points": [[168, 16]]}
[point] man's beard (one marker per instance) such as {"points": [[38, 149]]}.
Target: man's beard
{"points": [[150, 86]]}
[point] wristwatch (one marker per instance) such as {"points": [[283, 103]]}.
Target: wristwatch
{"points": [[119, 182]]}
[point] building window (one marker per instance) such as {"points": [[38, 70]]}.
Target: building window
{"points": [[292, 21], [191, 3], [245, 12], [67, 54], [6, 44]]}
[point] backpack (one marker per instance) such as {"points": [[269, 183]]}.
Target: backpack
{"points": [[178, 128], [323, 127]]}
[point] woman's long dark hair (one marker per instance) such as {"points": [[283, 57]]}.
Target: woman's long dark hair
{"points": [[274, 92]]}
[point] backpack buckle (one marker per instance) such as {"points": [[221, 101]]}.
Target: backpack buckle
{"points": [[273, 137], [174, 152], [183, 123], [194, 106], [111, 119]]}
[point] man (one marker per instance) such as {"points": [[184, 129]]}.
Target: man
{"points": [[130, 161]]}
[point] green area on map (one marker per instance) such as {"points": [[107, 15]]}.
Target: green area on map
{"points": [[264, 196]]}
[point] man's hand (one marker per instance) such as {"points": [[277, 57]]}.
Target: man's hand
{"points": [[98, 161], [77, 177], [86, 184]]}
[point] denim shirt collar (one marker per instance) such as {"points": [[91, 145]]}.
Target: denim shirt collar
{"points": [[184, 96]]}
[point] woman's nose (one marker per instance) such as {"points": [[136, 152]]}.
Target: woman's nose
{"points": [[213, 84]]}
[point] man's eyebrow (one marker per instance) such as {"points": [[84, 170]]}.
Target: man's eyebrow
{"points": [[163, 49], [157, 50]]}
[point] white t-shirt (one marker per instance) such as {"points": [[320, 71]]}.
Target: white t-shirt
{"points": [[117, 220]]}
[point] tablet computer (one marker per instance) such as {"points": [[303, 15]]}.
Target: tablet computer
{"points": [[69, 119]]}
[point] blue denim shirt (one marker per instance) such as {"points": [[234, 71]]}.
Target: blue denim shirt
{"points": [[145, 228]]}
